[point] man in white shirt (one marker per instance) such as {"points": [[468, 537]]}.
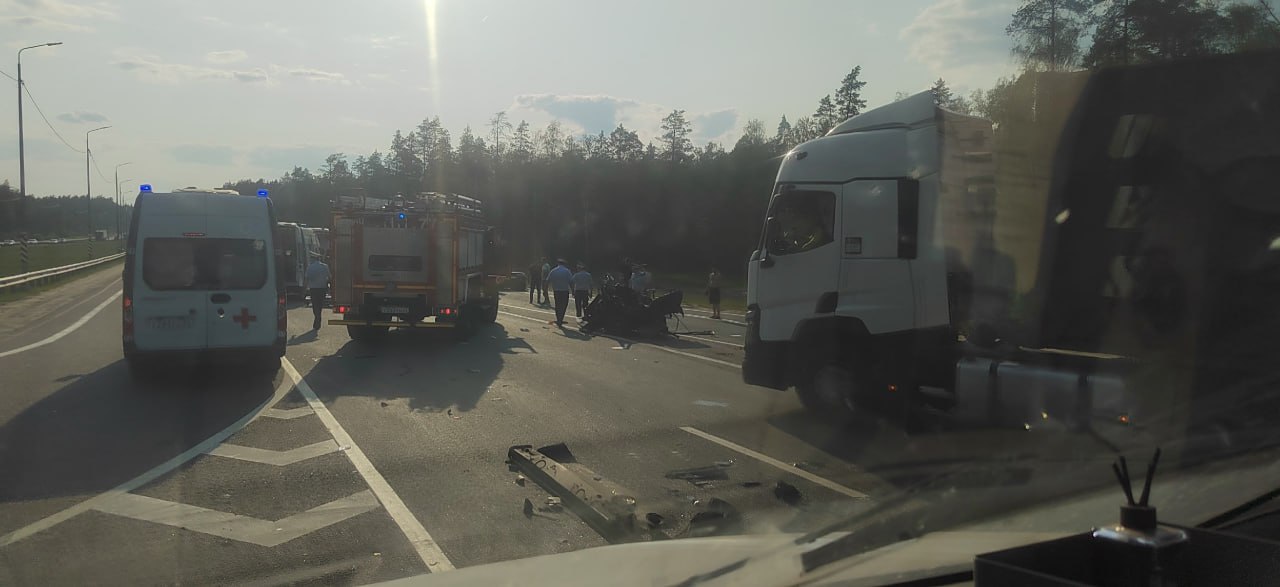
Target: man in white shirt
{"points": [[582, 286], [560, 280], [641, 281], [318, 283]]}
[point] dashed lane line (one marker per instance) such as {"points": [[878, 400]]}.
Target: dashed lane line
{"points": [[149, 476], [65, 331], [652, 346], [423, 544], [768, 460]]}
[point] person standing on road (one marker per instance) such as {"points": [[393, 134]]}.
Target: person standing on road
{"points": [[534, 276], [713, 292], [641, 280], [582, 286], [546, 272], [560, 280], [318, 283]]}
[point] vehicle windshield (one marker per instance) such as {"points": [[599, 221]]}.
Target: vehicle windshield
{"points": [[205, 264], [335, 293]]}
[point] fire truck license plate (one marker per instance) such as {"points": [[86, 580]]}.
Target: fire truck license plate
{"points": [[394, 310]]}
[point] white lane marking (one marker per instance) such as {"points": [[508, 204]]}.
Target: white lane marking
{"points": [[287, 414], [723, 342], [710, 404], [426, 547], [64, 331], [149, 476], [798, 472], [266, 533], [721, 319], [279, 458], [652, 346]]}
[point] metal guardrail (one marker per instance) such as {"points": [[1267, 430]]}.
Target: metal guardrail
{"points": [[38, 277]]}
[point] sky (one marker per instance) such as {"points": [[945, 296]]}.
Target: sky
{"points": [[198, 93]]}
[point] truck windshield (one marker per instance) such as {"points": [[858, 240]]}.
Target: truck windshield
{"points": [[805, 221], [204, 264]]}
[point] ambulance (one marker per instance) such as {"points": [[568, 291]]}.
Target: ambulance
{"points": [[200, 281]]}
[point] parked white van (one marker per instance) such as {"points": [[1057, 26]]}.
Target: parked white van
{"points": [[294, 260], [200, 280]]}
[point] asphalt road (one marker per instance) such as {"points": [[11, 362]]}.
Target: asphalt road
{"points": [[364, 462]]}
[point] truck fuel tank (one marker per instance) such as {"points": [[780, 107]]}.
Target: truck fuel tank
{"points": [[1017, 394]]}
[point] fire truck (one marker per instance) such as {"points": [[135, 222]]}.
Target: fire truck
{"points": [[410, 262]]}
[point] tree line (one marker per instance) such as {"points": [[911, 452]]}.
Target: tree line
{"points": [[684, 207]]}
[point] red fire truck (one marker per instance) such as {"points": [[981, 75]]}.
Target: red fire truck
{"points": [[411, 262]]}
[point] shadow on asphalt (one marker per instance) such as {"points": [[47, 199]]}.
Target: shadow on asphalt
{"points": [[429, 368], [102, 429]]}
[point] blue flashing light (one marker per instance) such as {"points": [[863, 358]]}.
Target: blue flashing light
{"points": [[402, 215], [146, 187], [262, 193]]}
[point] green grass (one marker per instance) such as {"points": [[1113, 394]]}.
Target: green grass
{"points": [[733, 292], [10, 294], [46, 256]]}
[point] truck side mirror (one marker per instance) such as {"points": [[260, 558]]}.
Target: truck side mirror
{"points": [[770, 233]]}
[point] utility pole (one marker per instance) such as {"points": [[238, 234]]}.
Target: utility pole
{"points": [[88, 187], [118, 196], [22, 157]]}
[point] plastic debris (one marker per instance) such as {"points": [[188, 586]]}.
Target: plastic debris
{"points": [[558, 452], [787, 493], [528, 508], [520, 480]]}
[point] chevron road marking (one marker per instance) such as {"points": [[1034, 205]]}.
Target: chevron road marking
{"points": [[279, 458], [287, 414], [241, 528]]}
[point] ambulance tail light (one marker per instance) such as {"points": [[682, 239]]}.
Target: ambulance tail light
{"points": [[127, 318], [342, 309]]}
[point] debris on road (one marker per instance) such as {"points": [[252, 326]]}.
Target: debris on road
{"points": [[751, 484], [607, 508], [520, 480], [710, 404], [558, 452], [720, 517], [553, 504], [702, 475], [524, 330], [528, 508], [654, 519], [787, 493], [807, 466], [384, 404]]}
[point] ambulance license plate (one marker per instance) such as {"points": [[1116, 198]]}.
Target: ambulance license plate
{"points": [[394, 310]]}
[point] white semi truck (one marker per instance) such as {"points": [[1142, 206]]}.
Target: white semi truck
{"points": [[1119, 255]]}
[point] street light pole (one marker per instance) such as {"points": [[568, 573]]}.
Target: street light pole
{"points": [[22, 157], [118, 196], [88, 185]]}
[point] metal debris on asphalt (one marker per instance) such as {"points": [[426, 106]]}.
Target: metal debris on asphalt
{"points": [[558, 452], [787, 493], [520, 480]]}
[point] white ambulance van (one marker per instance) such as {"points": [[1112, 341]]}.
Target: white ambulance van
{"points": [[200, 281]]}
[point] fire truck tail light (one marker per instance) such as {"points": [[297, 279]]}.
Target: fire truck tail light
{"points": [[342, 309], [446, 311]]}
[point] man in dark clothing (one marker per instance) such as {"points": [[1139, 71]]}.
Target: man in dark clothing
{"points": [[534, 277], [317, 277]]}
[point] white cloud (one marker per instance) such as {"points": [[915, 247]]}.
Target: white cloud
{"points": [[593, 113], [387, 42], [40, 22], [315, 75], [154, 69], [79, 117], [95, 10], [713, 126], [961, 40], [228, 56]]}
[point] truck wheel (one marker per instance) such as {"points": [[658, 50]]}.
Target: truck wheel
{"points": [[491, 315], [829, 389], [366, 333]]}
